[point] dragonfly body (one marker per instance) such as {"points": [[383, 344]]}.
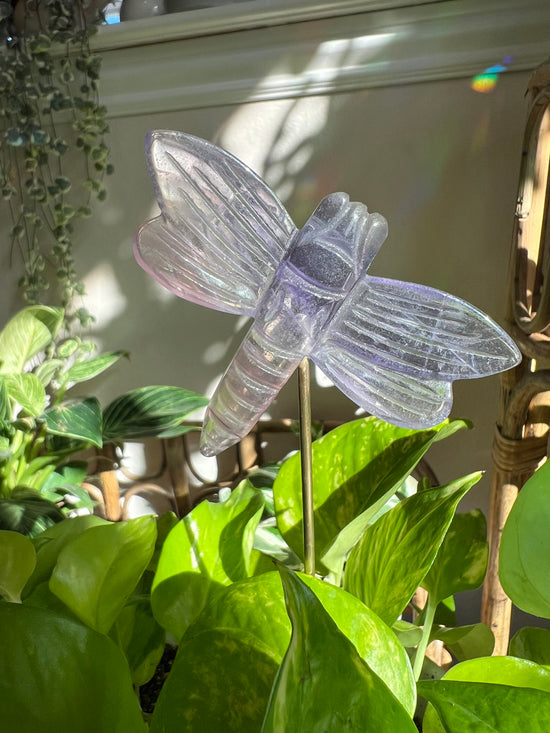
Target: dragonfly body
{"points": [[225, 241], [323, 263]]}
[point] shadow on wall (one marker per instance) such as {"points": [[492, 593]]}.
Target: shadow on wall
{"points": [[277, 140], [434, 159]]}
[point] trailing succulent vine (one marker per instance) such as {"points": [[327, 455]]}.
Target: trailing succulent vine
{"points": [[50, 113]]}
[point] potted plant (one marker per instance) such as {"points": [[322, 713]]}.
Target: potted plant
{"points": [[263, 647], [42, 428]]}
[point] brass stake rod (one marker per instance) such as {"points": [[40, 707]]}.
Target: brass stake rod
{"points": [[304, 391]]}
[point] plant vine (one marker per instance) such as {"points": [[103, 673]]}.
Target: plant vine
{"points": [[50, 112]]}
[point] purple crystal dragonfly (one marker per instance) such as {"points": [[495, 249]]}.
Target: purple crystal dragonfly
{"points": [[225, 241]]}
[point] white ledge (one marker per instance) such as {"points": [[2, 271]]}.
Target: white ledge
{"points": [[235, 17], [254, 51]]}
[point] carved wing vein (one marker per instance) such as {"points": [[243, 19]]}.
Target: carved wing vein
{"points": [[271, 223]]}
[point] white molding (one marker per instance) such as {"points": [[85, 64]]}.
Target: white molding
{"points": [[202, 59], [237, 16]]}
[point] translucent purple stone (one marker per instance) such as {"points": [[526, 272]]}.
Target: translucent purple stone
{"points": [[225, 241]]}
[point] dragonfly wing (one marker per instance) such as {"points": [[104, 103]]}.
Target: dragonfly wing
{"points": [[222, 232], [413, 341], [396, 398]]}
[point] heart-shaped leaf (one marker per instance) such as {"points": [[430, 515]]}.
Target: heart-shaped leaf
{"points": [[395, 553], [506, 672], [322, 683], [58, 675], [461, 561], [17, 561], [97, 571], [356, 468], [257, 605], [209, 548], [496, 694], [524, 562], [48, 545]]}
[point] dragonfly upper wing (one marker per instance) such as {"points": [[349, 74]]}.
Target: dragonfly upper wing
{"points": [[395, 347], [222, 232]]}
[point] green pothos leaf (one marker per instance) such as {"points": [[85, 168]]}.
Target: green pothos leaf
{"points": [[322, 683]]}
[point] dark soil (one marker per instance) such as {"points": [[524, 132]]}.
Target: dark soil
{"points": [[148, 693]]}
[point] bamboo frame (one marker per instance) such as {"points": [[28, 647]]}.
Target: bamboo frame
{"points": [[521, 435], [176, 477]]}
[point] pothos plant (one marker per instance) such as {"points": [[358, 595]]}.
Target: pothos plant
{"points": [[261, 647], [41, 428], [51, 121]]}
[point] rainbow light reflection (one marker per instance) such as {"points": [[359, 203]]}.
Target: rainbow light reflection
{"points": [[487, 81]]}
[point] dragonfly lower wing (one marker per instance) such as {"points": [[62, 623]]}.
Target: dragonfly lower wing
{"points": [[394, 397], [190, 272]]}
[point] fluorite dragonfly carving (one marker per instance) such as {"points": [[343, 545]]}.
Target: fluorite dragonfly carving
{"points": [[224, 240]]}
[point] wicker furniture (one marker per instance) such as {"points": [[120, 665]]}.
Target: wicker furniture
{"points": [[521, 435]]}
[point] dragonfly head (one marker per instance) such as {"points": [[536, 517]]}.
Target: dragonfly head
{"points": [[338, 242]]}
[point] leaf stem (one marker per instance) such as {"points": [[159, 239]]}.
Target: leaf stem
{"points": [[429, 615]]}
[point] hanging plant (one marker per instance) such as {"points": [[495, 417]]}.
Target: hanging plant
{"points": [[50, 111]]}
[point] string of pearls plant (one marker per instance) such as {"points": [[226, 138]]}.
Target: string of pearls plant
{"points": [[51, 121]]}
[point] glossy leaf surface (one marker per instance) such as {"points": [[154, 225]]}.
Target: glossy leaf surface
{"points": [[25, 335], [524, 563], [323, 684], [356, 469], [502, 670], [531, 643], [208, 549], [90, 368], [258, 605], [467, 642], [475, 707], [97, 571], [78, 419], [58, 675], [461, 562], [17, 561], [148, 411], [486, 676], [395, 553], [48, 545], [220, 681]]}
